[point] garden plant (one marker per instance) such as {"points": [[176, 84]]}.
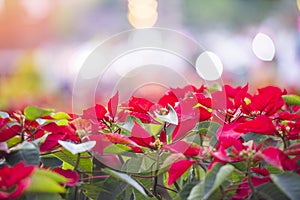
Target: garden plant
{"points": [[195, 142]]}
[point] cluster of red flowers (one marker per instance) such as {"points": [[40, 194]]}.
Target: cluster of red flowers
{"points": [[200, 126]]}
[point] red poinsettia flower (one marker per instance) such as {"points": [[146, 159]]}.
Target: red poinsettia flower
{"points": [[236, 96], [175, 94], [261, 124], [14, 180], [71, 175], [267, 102], [140, 108], [98, 114]]}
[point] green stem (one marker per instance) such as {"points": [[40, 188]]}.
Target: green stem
{"points": [[167, 188], [155, 181], [22, 121], [249, 180], [77, 162]]}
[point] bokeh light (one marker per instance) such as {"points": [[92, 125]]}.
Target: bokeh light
{"points": [[142, 13], [263, 47], [209, 66]]}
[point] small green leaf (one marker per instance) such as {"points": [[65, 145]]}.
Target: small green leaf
{"points": [[171, 117], [44, 181], [129, 123], [291, 99], [288, 183], [13, 141], [62, 122], [32, 112], [127, 179], [77, 148], [61, 115]]}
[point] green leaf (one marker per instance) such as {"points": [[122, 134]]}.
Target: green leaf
{"points": [[270, 191], [197, 192], [32, 112], [186, 190], [41, 196], [44, 181], [92, 190], [51, 162], [116, 149], [62, 122], [127, 179], [171, 117], [111, 189], [128, 125], [257, 138], [61, 115], [207, 127], [288, 183], [217, 177], [291, 99], [27, 152], [13, 141], [85, 163], [209, 188], [77, 148]]}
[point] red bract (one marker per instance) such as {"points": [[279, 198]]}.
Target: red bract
{"points": [[185, 148], [236, 96], [176, 94], [94, 113], [119, 139], [56, 133], [293, 149], [113, 105], [177, 169], [14, 180], [140, 108], [227, 136], [141, 137], [9, 132], [261, 124], [278, 158], [183, 128], [3, 122], [71, 175], [268, 101]]}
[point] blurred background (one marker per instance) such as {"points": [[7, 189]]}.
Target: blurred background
{"points": [[43, 43]]}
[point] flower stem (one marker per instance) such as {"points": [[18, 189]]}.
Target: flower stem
{"points": [[253, 194]]}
